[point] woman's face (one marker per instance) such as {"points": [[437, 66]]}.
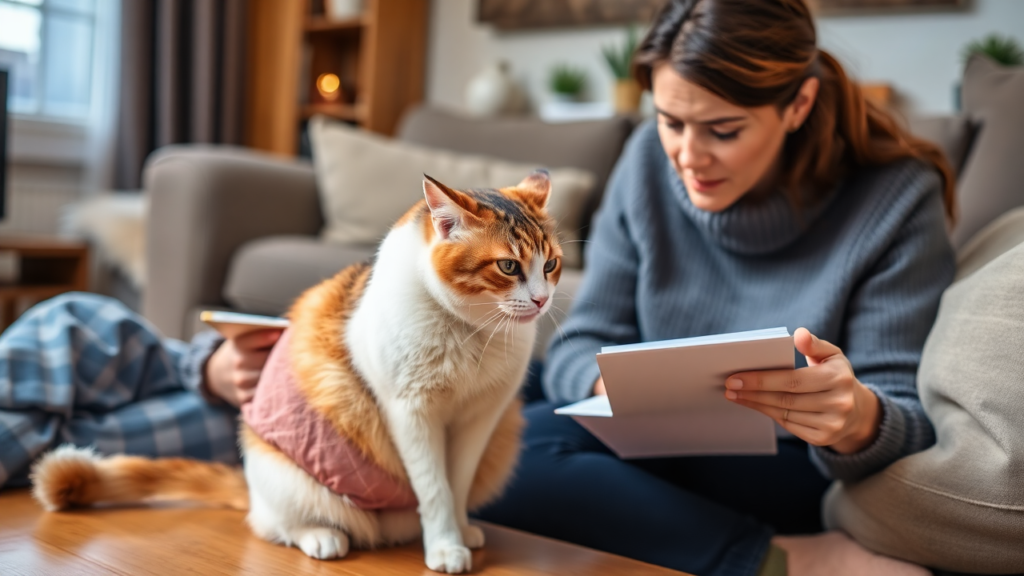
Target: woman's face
{"points": [[720, 150]]}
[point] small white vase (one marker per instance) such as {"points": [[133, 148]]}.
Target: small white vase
{"points": [[493, 92], [343, 9]]}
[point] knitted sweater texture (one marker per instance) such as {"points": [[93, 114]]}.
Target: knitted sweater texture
{"points": [[864, 269]]}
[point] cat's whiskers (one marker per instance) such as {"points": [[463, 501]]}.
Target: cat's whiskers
{"points": [[484, 349], [558, 325], [490, 318]]}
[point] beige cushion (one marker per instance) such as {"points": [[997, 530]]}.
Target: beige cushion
{"points": [[367, 182], [995, 239], [592, 145], [951, 133], [266, 275], [992, 181], [959, 505]]}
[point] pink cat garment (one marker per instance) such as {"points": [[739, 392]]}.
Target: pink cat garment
{"points": [[281, 416]]}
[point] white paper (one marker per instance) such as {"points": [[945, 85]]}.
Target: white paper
{"points": [[667, 398], [235, 324]]}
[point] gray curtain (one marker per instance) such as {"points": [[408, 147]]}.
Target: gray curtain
{"points": [[181, 78]]}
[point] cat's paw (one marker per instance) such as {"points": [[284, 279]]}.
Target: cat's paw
{"points": [[322, 543], [473, 536], [449, 558]]}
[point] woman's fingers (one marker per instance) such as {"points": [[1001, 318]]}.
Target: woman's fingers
{"points": [[245, 395], [813, 402], [252, 359], [258, 339], [818, 428], [813, 348], [799, 381]]}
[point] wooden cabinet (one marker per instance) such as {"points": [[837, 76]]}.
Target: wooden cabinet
{"points": [[46, 267], [378, 59]]}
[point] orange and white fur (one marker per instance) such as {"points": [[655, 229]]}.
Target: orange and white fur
{"points": [[418, 360]]}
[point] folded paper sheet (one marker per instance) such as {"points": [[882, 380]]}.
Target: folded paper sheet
{"points": [[667, 398]]}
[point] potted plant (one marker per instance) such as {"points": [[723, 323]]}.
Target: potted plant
{"points": [[1004, 50], [620, 61], [567, 82]]}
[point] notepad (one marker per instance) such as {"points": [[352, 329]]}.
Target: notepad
{"points": [[666, 398], [235, 324]]}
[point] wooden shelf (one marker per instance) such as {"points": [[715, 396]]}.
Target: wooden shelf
{"points": [[37, 292], [47, 267], [316, 24], [351, 112], [379, 58]]}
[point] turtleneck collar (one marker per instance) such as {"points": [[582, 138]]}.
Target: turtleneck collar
{"points": [[750, 226]]}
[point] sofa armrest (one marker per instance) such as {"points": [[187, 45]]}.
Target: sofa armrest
{"points": [[205, 202]]}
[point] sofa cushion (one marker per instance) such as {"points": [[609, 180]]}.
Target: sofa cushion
{"points": [[266, 275], [952, 134], [992, 181], [367, 182], [993, 240], [959, 505], [593, 145]]}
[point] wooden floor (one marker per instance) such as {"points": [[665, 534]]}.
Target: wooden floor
{"points": [[177, 540]]}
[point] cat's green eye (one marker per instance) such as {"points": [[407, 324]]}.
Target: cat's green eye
{"points": [[510, 267], [549, 266]]}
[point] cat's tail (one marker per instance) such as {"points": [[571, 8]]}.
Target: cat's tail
{"points": [[71, 476]]}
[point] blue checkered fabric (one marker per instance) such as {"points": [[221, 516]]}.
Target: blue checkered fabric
{"points": [[84, 369]]}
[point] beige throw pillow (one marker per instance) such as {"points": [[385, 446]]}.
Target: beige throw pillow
{"points": [[990, 183], [959, 505], [367, 182]]}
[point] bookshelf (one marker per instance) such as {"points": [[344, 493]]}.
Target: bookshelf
{"points": [[377, 61]]}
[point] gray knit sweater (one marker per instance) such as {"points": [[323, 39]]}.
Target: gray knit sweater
{"points": [[864, 270]]}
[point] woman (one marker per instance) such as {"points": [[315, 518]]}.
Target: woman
{"points": [[767, 193]]}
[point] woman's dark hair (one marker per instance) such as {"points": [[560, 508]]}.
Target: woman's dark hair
{"points": [[760, 52]]}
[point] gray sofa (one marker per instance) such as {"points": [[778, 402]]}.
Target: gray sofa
{"points": [[237, 229]]}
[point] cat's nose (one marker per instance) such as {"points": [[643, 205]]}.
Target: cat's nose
{"points": [[540, 301]]}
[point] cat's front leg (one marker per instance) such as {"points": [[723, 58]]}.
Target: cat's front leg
{"points": [[467, 441], [420, 440]]}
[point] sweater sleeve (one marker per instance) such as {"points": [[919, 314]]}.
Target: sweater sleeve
{"points": [[604, 309], [193, 363], [889, 315]]}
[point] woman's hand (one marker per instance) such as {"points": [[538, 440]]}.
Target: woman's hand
{"points": [[234, 368], [823, 404], [599, 387]]}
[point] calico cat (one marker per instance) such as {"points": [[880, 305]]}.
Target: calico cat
{"points": [[389, 408]]}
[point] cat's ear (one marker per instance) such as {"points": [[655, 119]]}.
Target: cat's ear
{"points": [[536, 188], [450, 209]]}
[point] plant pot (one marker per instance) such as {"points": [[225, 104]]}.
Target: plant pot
{"points": [[627, 96], [564, 97]]}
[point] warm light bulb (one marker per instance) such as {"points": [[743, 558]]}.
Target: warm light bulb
{"points": [[328, 84]]}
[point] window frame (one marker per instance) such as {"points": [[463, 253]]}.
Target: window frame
{"points": [[39, 137]]}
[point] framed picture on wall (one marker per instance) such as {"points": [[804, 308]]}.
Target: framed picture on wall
{"points": [[854, 6], [522, 14]]}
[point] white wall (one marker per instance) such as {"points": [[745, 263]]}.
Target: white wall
{"points": [[460, 47], [917, 53]]}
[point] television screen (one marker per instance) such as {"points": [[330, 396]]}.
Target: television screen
{"points": [[3, 142]]}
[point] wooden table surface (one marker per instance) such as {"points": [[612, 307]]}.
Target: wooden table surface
{"points": [[185, 540]]}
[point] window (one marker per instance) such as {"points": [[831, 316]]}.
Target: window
{"points": [[48, 47]]}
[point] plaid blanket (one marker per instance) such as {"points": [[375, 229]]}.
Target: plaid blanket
{"points": [[84, 369]]}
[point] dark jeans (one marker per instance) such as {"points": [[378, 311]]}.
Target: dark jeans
{"points": [[704, 515]]}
